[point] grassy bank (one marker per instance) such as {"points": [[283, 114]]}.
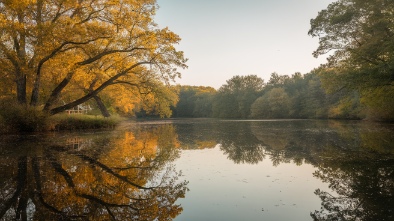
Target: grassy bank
{"points": [[30, 120], [16, 118], [82, 122]]}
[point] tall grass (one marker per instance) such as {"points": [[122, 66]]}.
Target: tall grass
{"points": [[82, 122], [16, 118]]}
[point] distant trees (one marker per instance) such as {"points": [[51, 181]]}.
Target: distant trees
{"points": [[274, 104], [194, 101], [297, 96], [356, 83], [235, 98]]}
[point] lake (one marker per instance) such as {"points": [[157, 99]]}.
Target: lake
{"points": [[202, 169]]}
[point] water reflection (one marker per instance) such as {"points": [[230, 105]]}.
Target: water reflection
{"points": [[364, 189], [356, 159], [114, 176], [127, 174]]}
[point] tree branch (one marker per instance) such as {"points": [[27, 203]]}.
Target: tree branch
{"points": [[104, 53], [97, 90]]}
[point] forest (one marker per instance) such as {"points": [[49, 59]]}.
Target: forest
{"points": [[58, 55], [357, 82], [282, 97]]}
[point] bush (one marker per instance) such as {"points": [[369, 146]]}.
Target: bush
{"points": [[21, 118]]}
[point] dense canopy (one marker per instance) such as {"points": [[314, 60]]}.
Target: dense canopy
{"points": [[61, 53]]}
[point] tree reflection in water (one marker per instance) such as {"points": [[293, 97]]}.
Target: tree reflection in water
{"points": [[124, 177], [356, 159], [364, 188]]}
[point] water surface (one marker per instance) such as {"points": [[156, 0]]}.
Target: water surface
{"points": [[202, 170]]}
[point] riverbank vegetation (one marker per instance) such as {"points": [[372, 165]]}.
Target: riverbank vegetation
{"points": [[297, 96], [285, 97], [357, 82], [35, 120], [110, 55]]}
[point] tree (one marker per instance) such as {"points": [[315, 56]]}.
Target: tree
{"points": [[194, 101], [203, 103], [185, 106], [260, 108], [274, 104], [360, 34], [314, 104], [277, 79], [234, 99], [55, 49]]}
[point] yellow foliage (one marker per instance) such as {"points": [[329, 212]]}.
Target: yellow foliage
{"points": [[73, 50]]}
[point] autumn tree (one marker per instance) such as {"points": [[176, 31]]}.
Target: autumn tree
{"points": [[52, 50], [359, 33], [122, 175]]}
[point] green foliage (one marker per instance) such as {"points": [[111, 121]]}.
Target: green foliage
{"points": [[261, 108], [225, 106], [315, 103], [194, 101], [360, 32], [347, 107], [380, 103], [297, 96], [235, 98], [274, 104]]}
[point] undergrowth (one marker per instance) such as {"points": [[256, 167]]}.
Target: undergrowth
{"points": [[82, 122], [16, 118]]}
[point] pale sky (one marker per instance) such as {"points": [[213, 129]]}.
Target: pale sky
{"points": [[224, 38]]}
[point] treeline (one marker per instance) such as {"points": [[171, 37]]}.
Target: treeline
{"points": [[357, 82], [92, 61], [297, 96]]}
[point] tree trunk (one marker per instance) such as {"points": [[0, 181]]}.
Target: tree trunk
{"points": [[34, 94], [56, 93], [21, 89], [101, 106], [89, 95], [20, 48]]}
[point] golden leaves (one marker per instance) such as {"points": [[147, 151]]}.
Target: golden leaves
{"points": [[90, 46]]}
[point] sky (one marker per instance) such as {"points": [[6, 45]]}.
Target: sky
{"points": [[224, 38]]}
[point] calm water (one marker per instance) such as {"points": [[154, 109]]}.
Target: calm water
{"points": [[202, 170]]}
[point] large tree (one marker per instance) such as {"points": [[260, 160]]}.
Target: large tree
{"points": [[359, 34], [51, 49]]}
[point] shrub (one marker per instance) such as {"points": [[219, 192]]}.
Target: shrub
{"points": [[22, 118]]}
